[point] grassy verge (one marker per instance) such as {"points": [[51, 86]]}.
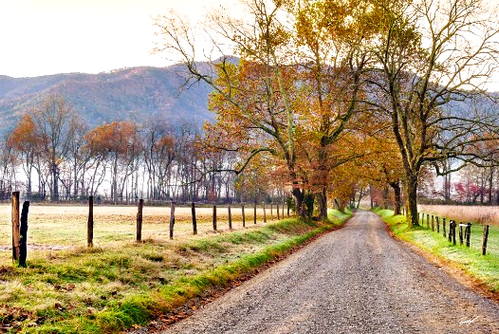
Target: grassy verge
{"points": [[483, 268], [106, 290]]}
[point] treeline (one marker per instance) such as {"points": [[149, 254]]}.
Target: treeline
{"points": [[339, 97], [52, 154]]}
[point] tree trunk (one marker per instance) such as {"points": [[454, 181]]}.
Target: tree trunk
{"points": [[398, 198], [412, 200], [322, 203], [301, 210]]}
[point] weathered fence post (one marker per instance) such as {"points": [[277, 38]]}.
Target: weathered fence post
{"points": [[485, 238], [254, 213], [444, 227], [194, 222], [432, 223], [428, 220], [460, 234], [244, 215], [214, 217], [23, 242], [230, 217], [438, 224], [264, 213], [90, 222], [468, 234], [452, 234], [277, 206], [139, 219], [15, 225], [172, 218]]}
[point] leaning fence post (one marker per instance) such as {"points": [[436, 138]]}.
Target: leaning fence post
{"points": [[139, 219], [254, 213], [230, 217], [15, 225], [264, 213], [485, 238], [172, 218], [23, 242], [194, 222], [468, 234], [244, 215], [214, 217], [90, 222]]}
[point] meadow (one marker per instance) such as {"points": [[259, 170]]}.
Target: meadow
{"points": [[56, 227], [465, 213]]}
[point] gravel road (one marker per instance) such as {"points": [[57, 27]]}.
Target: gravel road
{"points": [[354, 280]]}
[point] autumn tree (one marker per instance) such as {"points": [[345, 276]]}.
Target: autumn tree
{"points": [[428, 60], [26, 141], [52, 118], [118, 143]]}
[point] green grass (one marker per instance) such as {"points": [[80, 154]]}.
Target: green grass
{"points": [[484, 268], [106, 290]]}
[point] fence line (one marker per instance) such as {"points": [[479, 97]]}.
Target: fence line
{"points": [[463, 233]]}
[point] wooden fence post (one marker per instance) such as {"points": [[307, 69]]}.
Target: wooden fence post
{"points": [[214, 217], [277, 206], [172, 218], [194, 222], [139, 219], [254, 213], [485, 238], [15, 225], [438, 224], [282, 212], [264, 213], [452, 234], [287, 207], [460, 234], [23, 242], [468, 234], [432, 223], [444, 227], [244, 215], [428, 220], [271, 210], [90, 222], [230, 217]]}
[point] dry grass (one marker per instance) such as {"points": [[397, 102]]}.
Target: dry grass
{"points": [[478, 214], [58, 227]]}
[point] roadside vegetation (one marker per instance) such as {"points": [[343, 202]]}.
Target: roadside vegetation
{"points": [[483, 268], [104, 290]]}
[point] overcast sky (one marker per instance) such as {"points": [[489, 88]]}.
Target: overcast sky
{"points": [[39, 37]]}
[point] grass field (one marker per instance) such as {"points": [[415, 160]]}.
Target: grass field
{"points": [[58, 227], [485, 268], [108, 289], [478, 214]]}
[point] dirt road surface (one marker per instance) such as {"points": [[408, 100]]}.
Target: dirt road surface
{"points": [[354, 280]]}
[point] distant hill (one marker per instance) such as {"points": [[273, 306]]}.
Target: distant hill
{"points": [[127, 94]]}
